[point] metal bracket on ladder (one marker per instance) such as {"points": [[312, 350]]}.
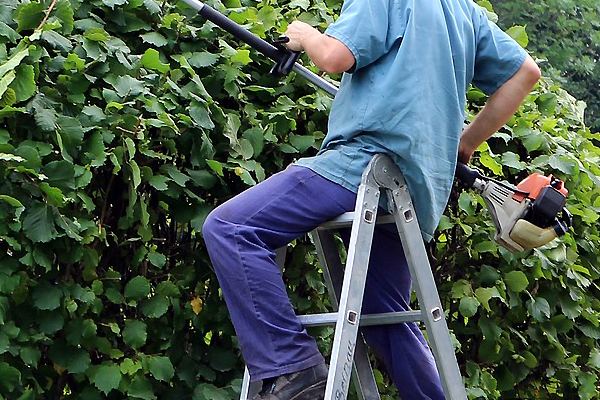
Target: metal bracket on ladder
{"points": [[346, 288]]}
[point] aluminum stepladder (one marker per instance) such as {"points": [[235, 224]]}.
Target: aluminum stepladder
{"points": [[346, 289]]}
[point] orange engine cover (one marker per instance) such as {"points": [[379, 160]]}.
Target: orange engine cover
{"points": [[536, 182]]}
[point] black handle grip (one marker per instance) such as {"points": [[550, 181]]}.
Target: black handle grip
{"points": [[466, 174]]}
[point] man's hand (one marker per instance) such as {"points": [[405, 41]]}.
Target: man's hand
{"points": [[465, 151], [329, 54], [298, 31]]}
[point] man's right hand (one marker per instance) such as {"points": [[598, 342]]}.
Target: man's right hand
{"points": [[328, 54]]}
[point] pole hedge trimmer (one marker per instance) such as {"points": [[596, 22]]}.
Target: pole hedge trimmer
{"points": [[527, 216]]}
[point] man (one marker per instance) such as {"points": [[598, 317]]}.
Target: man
{"points": [[409, 64]]}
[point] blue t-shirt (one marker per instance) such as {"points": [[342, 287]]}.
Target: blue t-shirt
{"points": [[406, 94]]}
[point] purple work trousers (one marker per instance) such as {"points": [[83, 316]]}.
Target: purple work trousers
{"points": [[241, 236]]}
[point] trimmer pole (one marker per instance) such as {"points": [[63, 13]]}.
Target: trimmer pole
{"points": [[280, 55]]}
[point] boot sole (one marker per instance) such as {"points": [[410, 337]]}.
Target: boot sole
{"points": [[314, 392]]}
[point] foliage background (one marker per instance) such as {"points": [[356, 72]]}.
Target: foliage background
{"points": [[567, 33], [124, 122]]}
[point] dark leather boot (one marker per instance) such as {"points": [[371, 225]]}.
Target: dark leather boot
{"points": [[308, 384]]}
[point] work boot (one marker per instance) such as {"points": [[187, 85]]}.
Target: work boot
{"points": [[308, 384]]}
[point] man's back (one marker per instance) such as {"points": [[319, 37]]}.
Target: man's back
{"points": [[406, 97]]}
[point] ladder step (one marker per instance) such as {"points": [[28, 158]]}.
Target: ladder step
{"points": [[345, 220], [365, 320]]}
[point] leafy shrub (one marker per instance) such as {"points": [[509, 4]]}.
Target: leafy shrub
{"points": [[567, 32], [124, 122]]}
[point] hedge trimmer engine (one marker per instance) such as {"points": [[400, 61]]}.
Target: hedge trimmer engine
{"points": [[527, 216]]}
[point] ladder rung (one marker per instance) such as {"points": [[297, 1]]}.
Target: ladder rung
{"points": [[365, 320], [346, 219]]}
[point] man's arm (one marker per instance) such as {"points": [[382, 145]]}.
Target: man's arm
{"points": [[499, 108], [328, 54]]}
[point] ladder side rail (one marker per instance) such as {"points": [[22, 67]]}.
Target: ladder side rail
{"points": [[427, 294], [387, 174], [249, 389], [346, 331], [333, 272]]}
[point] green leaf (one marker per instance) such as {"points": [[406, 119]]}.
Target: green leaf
{"points": [[30, 355], [30, 16], [46, 296], [113, 3], [177, 176], [126, 85], [130, 367], [141, 388], [107, 378], [46, 118], [51, 322], [11, 377], [134, 334], [302, 142], [486, 246], [5, 81], [54, 195], [159, 182], [156, 306], [153, 6], [510, 159], [516, 280], [78, 361], [11, 157], [222, 359], [135, 173], [137, 288], [202, 178], [96, 34], [24, 83], [202, 59], [207, 391], [532, 140], [200, 115], [539, 308], [303, 4], [157, 259], [151, 60], [154, 38], [465, 202], [490, 163], [485, 294], [60, 174], [64, 11], [519, 34], [38, 224], [468, 306], [242, 56], [461, 288], [12, 201], [57, 41], [161, 368], [529, 359], [8, 32], [594, 359], [587, 389], [71, 130]]}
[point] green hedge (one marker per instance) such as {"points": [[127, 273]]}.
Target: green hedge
{"points": [[124, 122], [567, 33]]}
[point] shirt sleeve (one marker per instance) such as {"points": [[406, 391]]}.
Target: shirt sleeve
{"points": [[362, 26], [498, 56]]}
